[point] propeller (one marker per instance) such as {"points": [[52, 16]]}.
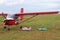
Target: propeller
{"points": [[3, 15]]}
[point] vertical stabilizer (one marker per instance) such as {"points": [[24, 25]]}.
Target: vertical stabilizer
{"points": [[21, 12]]}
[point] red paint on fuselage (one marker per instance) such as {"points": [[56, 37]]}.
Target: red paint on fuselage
{"points": [[10, 22]]}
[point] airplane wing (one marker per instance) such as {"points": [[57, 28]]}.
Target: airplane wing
{"points": [[21, 14], [32, 13], [35, 13]]}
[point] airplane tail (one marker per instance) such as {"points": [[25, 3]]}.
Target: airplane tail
{"points": [[22, 11]]}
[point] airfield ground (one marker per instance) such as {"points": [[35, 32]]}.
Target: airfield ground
{"points": [[52, 22]]}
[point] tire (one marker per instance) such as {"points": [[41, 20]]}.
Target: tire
{"points": [[5, 27], [8, 29]]}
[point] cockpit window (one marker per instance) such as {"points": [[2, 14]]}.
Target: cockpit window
{"points": [[10, 16]]}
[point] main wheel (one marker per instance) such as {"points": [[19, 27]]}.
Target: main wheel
{"points": [[8, 29], [4, 27]]}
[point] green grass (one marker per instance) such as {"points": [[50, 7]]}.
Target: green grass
{"points": [[52, 22]]}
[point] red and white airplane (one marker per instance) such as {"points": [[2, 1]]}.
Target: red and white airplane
{"points": [[13, 19]]}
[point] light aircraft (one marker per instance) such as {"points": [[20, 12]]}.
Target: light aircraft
{"points": [[14, 19]]}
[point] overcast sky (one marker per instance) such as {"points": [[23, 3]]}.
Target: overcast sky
{"points": [[13, 6]]}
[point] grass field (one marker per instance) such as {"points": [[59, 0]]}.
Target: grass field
{"points": [[52, 22]]}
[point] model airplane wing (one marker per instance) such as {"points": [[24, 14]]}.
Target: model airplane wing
{"points": [[22, 13]]}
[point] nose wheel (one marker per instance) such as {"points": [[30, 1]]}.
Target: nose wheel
{"points": [[8, 28]]}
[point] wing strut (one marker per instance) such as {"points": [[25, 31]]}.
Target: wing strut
{"points": [[29, 18]]}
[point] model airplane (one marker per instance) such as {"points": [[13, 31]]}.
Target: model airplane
{"points": [[13, 19]]}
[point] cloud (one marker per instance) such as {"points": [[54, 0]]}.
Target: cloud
{"points": [[2, 1], [41, 5], [49, 5], [45, 3], [29, 5], [11, 2]]}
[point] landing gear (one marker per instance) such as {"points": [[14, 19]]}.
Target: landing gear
{"points": [[6, 27]]}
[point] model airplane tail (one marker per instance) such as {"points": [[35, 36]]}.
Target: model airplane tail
{"points": [[22, 11]]}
